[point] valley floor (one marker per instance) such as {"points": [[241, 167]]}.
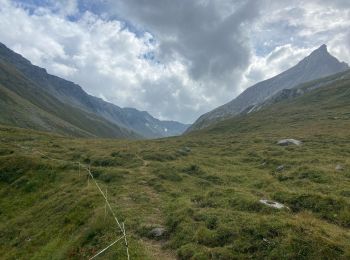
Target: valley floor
{"points": [[204, 190]]}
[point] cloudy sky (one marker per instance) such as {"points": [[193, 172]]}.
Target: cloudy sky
{"points": [[174, 59]]}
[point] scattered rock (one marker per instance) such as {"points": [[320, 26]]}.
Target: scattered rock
{"points": [[339, 168], [286, 142], [273, 204], [184, 150], [280, 168], [266, 240], [187, 149], [157, 232]]}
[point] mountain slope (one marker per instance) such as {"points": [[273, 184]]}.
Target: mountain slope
{"points": [[205, 188], [317, 65], [69, 93], [320, 105], [24, 104]]}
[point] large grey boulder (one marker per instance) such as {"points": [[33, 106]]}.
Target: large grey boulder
{"points": [[286, 142]]}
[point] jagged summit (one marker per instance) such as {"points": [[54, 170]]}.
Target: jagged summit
{"points": [[321, 57], [321, 52], [322, 49]]}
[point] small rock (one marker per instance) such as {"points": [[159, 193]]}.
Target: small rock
{"points": [[339, 168], [187, 149], [280, 168], [273, 204], [157, 232], [286, 142], [184, 150]]}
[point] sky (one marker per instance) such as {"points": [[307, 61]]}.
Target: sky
{"points": [[174, 59]]}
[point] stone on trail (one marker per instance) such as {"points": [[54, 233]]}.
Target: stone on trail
{"points": [[286, 142]]}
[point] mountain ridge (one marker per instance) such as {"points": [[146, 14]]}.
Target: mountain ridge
{"points": [[318, 64], [70, 93], [24, 104]]}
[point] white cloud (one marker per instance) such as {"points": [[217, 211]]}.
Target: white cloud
{"points": [[201, 54], [289, 31], [278, 60], [104, 58]]}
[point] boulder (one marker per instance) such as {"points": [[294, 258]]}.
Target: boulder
{"points": [[339, 168], [157, 232], [187, 149], [184, 150], [286, 142], [280, 168]]}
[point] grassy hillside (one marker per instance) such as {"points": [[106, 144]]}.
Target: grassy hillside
{"points": [[25, 105], [72, 95], [204, 188]]}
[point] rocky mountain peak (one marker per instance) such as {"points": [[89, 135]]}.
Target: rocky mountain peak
{"points": [[321, 58], [320, 63], [321, 52]]}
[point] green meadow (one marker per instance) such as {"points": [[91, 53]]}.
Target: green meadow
{"points": [[203, 188]]}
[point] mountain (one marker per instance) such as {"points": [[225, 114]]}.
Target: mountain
{"points": [[211, 194], [320, 105], [24, 104], [300, 90], [318, 64], [72, 94]]}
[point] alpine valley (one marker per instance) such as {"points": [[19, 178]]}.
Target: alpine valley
{"points": [[266, 176]]}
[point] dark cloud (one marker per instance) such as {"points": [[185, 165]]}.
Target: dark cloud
{"points": [[210, 36]]}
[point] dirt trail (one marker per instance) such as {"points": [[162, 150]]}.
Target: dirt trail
{"points": [[154, 248]]}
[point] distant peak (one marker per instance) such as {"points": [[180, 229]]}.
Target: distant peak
{"points": [[321, 50], [321, 58], [323, 47], [319, 54]]}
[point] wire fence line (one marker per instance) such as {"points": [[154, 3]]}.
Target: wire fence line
{"points": [[87, 168], [106, 248]]}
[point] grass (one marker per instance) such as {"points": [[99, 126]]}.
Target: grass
{"points": [[204, 188]]}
